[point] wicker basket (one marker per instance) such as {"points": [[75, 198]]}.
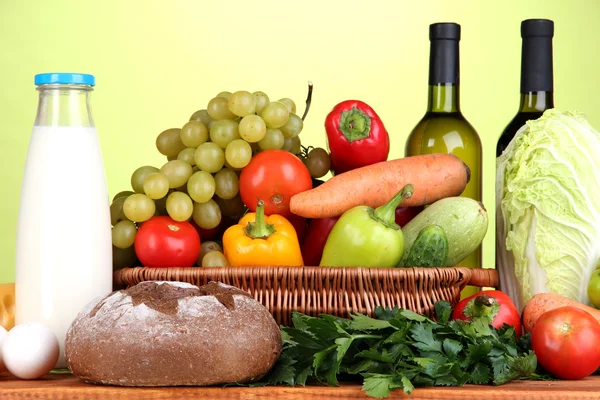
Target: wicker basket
{"points": [[337, 291]]}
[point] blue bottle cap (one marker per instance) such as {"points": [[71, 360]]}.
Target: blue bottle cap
{"points": [[65, 78]]}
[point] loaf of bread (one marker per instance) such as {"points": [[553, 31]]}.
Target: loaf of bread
{"points": [[173, 334]]}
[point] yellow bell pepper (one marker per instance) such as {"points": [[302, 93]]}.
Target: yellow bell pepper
{"points": [[259, 240]]}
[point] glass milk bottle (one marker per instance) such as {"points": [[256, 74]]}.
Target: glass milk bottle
{"points": [[64, 252]]}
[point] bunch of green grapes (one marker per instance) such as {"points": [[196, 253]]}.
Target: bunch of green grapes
{"points": [[200, 178]]}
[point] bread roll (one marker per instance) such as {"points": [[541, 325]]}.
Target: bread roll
{"points": [[173, 334]]}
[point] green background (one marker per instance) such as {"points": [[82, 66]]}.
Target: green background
{"points": [[156, 62]]}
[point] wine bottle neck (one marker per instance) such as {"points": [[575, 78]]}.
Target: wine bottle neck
{"points": [[444, 62], [443, 98], [444, 72], [536, 101], [536, 64]]}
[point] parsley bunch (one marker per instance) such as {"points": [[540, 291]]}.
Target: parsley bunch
{"points": [[400, 349]]}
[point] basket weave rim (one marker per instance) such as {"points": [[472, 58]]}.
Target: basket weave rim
{"points": [[484, 277]]}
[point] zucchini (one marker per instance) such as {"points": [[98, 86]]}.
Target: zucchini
{"points": [[464, 221], [430, 248]]}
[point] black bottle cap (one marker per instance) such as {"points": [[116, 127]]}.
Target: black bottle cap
{"points": [[537, 27], [444, 31]]}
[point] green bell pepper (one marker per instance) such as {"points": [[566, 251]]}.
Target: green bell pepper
{"points": [[367, 237]]}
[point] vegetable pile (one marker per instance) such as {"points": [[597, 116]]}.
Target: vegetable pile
{"points": [[239, 189]]}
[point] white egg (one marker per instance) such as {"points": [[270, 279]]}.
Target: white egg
{"points": [[2, 335], [30, 350]]}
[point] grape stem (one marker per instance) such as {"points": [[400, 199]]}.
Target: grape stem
{"points": [[308, 99]]}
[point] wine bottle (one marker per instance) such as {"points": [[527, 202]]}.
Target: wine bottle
{"points": [[443, 128], [537, 86]]}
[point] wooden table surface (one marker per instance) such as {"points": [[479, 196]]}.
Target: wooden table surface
{"points": [[70, 387]]}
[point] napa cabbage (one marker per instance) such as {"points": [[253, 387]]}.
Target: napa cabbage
{"points": [[548, 208]]}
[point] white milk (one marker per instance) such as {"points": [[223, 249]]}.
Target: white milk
{"points": [[64, 251]]}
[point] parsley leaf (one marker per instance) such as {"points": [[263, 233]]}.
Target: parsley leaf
{"points": [[443, 311], [522, 366], [398, 336], [424, 341], [302, 338], [385, 314], [380, 385], [447, 380], [285, 373], [364, 323], [480, 373], [451, 348], [323, 329], [362, 366], [303, 375], [476, 352], [374, 354], [413, 316]]}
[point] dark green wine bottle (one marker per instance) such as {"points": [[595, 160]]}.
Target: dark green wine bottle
{"points": [[443, 128], [537, 85]]}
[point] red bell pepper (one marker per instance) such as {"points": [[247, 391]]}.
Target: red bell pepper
{"points": [[300, 226], [315, 239], [356, 136]]}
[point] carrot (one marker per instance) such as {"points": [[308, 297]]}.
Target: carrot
{"points": [[544, 302], [433, 176]]}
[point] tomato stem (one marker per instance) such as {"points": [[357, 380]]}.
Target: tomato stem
{"points": [[482, 306], [277, 199], [484, 300], [565, 328]]}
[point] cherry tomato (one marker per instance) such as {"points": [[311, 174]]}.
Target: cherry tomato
{"points": [[405, 214], [163, 242], [565, 341], [274, 176], [318, 162]]}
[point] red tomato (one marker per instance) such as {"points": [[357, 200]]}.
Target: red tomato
{"points": [[493, 304], [405, 214], [163, 242], [565, 341], [274, 176]]}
